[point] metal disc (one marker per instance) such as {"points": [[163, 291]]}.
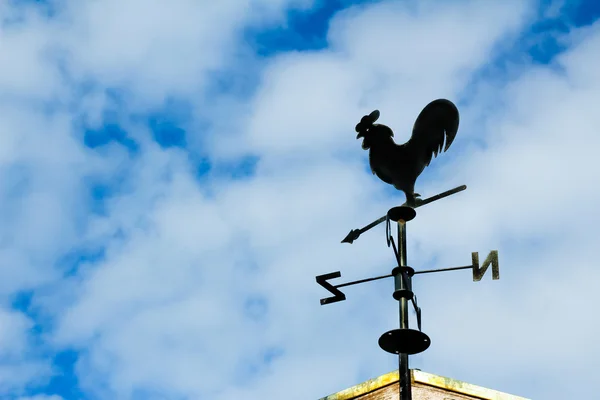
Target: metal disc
{"points": [[409, 341], [404, 213]]}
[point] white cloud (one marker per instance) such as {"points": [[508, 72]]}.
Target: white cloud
{"points": [[382, 56], [18, 364], [165, 312]]}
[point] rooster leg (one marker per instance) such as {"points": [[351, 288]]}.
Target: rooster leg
{"points": [[412, 199], [417, 200]]}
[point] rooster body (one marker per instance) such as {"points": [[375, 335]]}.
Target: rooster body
{"points": [[401, 165]]}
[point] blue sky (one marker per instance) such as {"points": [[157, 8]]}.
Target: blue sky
{"points": [[165, 177]]}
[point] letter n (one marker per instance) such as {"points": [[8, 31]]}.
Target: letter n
{"points": [[478, 272]]}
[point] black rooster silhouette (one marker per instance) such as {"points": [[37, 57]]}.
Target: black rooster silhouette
{"points": [[401, 165]]}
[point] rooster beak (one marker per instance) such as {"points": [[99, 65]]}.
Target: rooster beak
{"points": [[360, 134]]}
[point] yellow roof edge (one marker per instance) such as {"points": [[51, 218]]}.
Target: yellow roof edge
{"points": [[461, 387], [365, 387], [424, 378]]}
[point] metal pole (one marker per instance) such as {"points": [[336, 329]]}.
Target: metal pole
{"points": [[403, 369]]}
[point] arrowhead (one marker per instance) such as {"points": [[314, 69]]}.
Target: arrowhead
{"points": [[352, 236]]}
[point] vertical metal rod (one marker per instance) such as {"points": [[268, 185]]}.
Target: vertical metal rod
{"points": [[403, 368]]}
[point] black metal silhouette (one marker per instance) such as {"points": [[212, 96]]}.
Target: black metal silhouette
{"points": [[401, 165], [405, 341], [355, 233]]}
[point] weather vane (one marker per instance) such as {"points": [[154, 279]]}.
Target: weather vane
{"points": [[400, 166]]}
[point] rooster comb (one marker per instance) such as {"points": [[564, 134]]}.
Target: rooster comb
{"points": [[367, 121]]}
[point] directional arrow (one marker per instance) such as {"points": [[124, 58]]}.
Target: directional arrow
{"points": [[355, 233], [337, 294]]}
